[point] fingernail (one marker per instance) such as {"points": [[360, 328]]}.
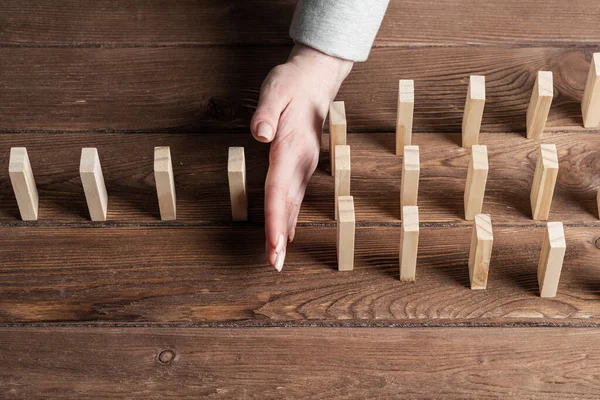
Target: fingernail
{"points": [[280, 243], [279, 261], [264, 131]]}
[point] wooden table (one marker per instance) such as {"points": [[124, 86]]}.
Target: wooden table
{"points": [[136, 307]]}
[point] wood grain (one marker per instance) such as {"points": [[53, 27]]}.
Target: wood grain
{"points": [[216, 88], [259, 22], [200, 168]]}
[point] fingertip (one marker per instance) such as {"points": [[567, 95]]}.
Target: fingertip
{"points": [[264, 132]]}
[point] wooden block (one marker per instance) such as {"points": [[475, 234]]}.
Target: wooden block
{"points": [[410, 177], [404, 118], [23, 183], [551, 259], [165, 183], [409, 243], [345, 233], [342, 174], [476, 180], [337, 129], [590, 106], [236, 171], [539, 105], [471, 124], [481, 251], [92, 180], [544, 180]]}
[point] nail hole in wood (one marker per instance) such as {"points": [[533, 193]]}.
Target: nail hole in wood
{"points": [[166, 356]]}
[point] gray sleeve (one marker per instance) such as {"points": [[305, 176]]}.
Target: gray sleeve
{"points": [[340, 28]]}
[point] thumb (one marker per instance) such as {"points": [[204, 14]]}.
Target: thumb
{"points": [[273, 99]]}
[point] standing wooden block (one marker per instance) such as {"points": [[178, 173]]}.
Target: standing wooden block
{"points": [[236, 170], [92, 179], [471, 124], [411, 168], [590, 106], [551, 259], [23, 183], [404, 118], [539, 105], [544, 180], [476, 180], [342, 173], [345, 233], [481, 251], [165, 183], [409, 243], [337, 129]]}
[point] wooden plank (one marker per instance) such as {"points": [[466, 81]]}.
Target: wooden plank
{"points": [[165, 183], [551, 259], [337, 130], [220, 275], [345, 238], [477, 174], [480, 253], [92, 180], [409, 243], [411, 170], [323, 363], [23, 183], [590, 105], [342, 174], [539, 106], [210, 22], [473, 113], [238, 186], [168, 89], [404, 118], [203, 191], [544, 182]]}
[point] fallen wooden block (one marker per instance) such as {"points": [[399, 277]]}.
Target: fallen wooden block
{"points": [[165, 183], [409, 243], [236, 171], [23, 183], [544, 180], [337, 129], [92, 180], [411, 168], [345, 233], [590, 106], [404, 118], [539, 105], [476, 181], [551, 259], [481, 251], [342, 174], [473, 114]]}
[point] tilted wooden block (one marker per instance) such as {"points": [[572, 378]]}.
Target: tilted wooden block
{"points": [[342, 174], [539, 105], [551, 259], [473, 114], [337, 129], [544, 180], [404, 118], [481, 251], [165, 183], [23, 183], [236, 171], [409, 243], [345, 233], [411, 168], [476, 181], [92, 180], [590, 106]]}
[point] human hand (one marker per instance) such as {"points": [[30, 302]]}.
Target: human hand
{"points": [[293, 104]]}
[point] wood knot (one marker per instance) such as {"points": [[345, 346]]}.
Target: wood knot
{"points": [[221, 109], [597, 242], [166, 356]]}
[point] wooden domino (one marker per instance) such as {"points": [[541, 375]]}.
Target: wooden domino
{"points": [[345, 233], [590, 106], [236, 171], [165, 183], [481, 251], [342, 174], [476, 181], [92, 180], [23, 183], [539, 105], [410, 177], [551, 259], [337, 129], [409, 243], [544, 180], [473, 114], [404, 118]]}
